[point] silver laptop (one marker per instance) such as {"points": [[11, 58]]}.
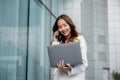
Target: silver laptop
{"points": [[69, 52]]}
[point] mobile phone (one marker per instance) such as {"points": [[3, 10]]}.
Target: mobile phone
{"points": [[58, 36]]}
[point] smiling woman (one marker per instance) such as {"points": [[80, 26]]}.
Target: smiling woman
{"points": [[68, 33]]}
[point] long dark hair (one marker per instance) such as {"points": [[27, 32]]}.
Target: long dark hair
{"points": [[74, 32]]}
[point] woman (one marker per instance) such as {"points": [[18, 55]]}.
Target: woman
{"points": [[64, 31]]}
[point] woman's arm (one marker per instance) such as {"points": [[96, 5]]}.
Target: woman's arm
{"points": [[80, 68]]}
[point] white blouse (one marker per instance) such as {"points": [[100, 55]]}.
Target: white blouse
{"points": [[77, 72]]}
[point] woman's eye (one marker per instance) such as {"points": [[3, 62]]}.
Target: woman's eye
{"points": [[59, 27], [65, 25]]}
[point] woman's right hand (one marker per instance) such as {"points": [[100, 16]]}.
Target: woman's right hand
{"points": [[54, 36]]}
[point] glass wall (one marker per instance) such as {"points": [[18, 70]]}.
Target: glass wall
{"points": [[13, 39], [39, 39], [25, 33]]}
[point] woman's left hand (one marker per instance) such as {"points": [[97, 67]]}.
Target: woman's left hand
{"points": [[68, 67]]}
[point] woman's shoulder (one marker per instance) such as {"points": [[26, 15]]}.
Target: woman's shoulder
{"points": [[80, 37]]}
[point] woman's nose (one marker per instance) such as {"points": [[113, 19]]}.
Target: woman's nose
{"points": [[63, 28]]}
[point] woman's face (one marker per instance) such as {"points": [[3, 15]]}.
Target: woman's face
{"points": [[64, 27]]}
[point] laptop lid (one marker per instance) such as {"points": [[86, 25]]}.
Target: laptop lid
{"points": [[69, 52]]}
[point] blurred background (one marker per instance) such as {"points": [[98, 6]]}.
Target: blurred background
{"points": [[26, 31]]}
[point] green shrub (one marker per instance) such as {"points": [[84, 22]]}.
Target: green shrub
{"points": [[116, 75]]}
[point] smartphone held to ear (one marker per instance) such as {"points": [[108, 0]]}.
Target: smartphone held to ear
{"points": [[58, 36]]}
